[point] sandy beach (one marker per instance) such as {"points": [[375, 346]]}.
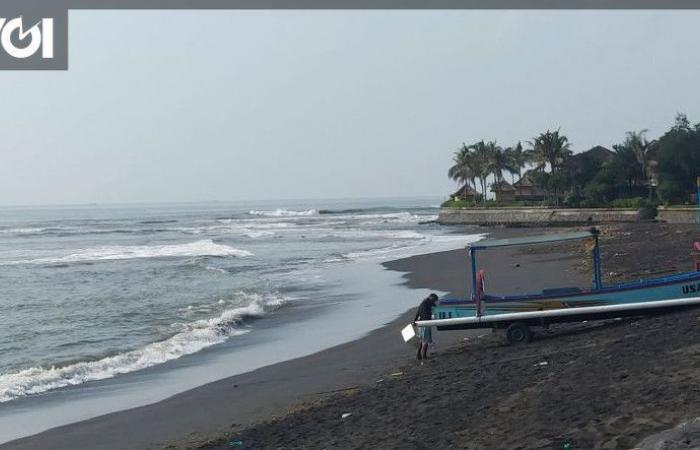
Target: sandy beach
{"points": [[594, 385]]}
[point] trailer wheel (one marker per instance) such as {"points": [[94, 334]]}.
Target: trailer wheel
{"points": [[518, 333]]}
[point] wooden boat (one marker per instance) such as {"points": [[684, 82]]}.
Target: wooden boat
{"points": [[560, 304]]}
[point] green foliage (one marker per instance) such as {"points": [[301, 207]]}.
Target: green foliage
{"points": [[627, 180], [549, 148], [589, 203], [634, 202], [678, 157]]}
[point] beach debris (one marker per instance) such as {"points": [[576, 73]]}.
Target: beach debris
{"points": [[379, 380], [345, 415], [236, 443], [567, 445], [542, 363], [397, 374]]}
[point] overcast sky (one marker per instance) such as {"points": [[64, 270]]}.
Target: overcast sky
{"points": [[231, 105]]}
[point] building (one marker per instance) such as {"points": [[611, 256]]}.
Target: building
{"points": [[467, 193], [504, 191], [526, 190]]}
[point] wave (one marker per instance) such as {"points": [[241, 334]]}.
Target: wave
{"points": [[205, 247], [36, 230], [157, 221], [377, 252], [191, 338], [284, 213]]}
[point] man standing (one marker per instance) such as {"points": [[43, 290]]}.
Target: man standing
{"points": [[425, 335]]}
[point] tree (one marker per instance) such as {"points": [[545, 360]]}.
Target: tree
{"points": [[637, 144], [549, 148], [462, 170], [518, 160], [482, 164], [677, 153], [499, 161]]}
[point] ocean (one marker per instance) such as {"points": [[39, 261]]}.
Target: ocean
{"points": [[94, 293]]}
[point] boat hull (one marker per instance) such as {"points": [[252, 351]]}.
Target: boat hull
{"points": [[685, 285]]}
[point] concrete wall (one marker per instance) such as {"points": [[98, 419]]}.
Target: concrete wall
{"points": [[678, 215], [535, 216]]}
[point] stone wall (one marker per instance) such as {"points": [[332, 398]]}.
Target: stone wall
{"points": [[534, 216], [551, 216], [678, 215]]}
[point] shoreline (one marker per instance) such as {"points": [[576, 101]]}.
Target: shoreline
{"points": [[193, 417], [610, 384], [259, 394]]}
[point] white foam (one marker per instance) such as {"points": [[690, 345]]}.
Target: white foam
{"points": [[284, 213], [259, 234], [375, 253], [190, 338], [407, 234], [400, 217], [205, 247]]}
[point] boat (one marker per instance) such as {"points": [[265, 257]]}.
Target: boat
{"points": [[517, 313]]}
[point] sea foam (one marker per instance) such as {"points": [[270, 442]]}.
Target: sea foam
{"points": [[284, 213], [191, 338], [205, 247]]}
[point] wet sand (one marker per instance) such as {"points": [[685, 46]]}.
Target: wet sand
{"points": [[595, 385], [604, 385], [214, 410]]}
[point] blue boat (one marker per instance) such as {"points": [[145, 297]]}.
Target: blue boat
{"points": [[516, 313]]}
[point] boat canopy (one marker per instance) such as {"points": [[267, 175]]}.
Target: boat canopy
{"points": [[530, 240], [477, 281]]}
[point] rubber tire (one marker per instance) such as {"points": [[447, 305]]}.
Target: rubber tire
{"points": [[518, 333]]}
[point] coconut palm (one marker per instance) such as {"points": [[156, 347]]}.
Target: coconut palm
{"points": [[549, 148], [481, 163], [641, 147], [462, 170], [499, 161], [518, 160]]}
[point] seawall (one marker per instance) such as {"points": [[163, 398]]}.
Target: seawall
{"points": [[553, 216]]}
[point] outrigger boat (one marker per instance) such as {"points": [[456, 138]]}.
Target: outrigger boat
{"points": [[516, 313]]}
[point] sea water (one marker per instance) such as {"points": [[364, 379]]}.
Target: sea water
{"points": [[201, 291]]}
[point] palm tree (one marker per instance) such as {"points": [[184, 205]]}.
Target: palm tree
{"points": [[498, 161], [549, 148], [637, 143], [462, 170], [480, 164], [518, 160]]}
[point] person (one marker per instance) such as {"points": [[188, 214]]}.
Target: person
{"points": [[425, 335]]}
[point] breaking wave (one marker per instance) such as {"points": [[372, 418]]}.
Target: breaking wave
{"points": [[205, 247], [191, 338], [284, 213]]}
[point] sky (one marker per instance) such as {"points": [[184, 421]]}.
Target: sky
{"points": [[175, 106]]}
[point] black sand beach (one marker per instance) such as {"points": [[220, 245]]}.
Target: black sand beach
{"points": [[194, 417], [591, 385], [594, 385]]}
